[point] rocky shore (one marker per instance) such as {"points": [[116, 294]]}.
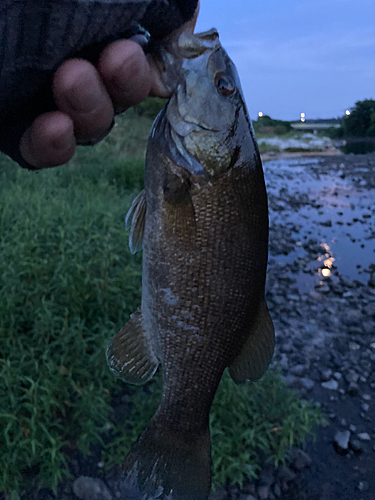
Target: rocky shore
{"points": [[321, 296]]}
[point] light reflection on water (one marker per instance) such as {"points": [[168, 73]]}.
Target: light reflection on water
{"points": [[341, 218]]}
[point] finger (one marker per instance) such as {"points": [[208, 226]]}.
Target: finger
{"points": [[49, 141], [158, 87], [80, 93], [126, 74]]}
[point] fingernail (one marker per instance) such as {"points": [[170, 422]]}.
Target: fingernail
{"points": [[140, 39]]}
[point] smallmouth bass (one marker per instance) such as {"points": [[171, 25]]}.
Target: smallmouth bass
{"points": [[202, 222]]}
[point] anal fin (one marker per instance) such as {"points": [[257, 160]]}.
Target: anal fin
{"points": [[257, 352], [135, 221], [129, 353]]}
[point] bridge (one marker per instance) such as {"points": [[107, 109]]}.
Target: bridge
{"points": [[315, 124]]}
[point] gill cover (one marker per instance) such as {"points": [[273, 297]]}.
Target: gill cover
{"points": [[206, 114]]}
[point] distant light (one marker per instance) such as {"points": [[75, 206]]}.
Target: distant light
{"points": [[260, 114], [303, 120], [303, 115], [347, 112]]}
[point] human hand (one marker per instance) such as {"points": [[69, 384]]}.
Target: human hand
{"points": [[87, 98]]}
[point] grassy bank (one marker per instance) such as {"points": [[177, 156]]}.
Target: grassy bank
{"points": [[67, 283]]}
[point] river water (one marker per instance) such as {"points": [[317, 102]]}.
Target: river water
{"points": [[323, 210]]}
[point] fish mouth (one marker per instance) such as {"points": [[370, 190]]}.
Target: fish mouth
{"points": [[173, 146]]}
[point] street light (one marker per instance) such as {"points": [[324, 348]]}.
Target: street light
{"points": [[260, 114], [347, 112]]}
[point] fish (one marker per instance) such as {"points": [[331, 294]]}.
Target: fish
{"points": [[202, 223]]}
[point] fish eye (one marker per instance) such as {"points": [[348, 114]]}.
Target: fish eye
{"points": [[225, 86]]}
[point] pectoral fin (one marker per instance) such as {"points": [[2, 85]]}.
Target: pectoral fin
{"points": [[129, 353], [135, 221], [256, 354]]}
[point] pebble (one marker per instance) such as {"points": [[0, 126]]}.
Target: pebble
{"points": [[354, 346], [307, 383], [341, 442], [89, 488], [363, 486], [355, 446], [364, 436], [317, 297], [332, 385], [326, 374], [263, 492], [298, 370]]}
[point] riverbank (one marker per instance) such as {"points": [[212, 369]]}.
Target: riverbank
{"points": [[321, 294]]}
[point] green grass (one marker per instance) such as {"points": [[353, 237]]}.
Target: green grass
{"points": [[67, 283]]}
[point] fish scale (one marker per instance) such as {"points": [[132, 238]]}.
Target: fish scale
{"points": [[204, 220]]}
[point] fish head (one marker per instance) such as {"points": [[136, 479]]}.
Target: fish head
{"points": [[209, 123]]}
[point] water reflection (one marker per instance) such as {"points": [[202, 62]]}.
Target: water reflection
{"points": [[325, 213]]}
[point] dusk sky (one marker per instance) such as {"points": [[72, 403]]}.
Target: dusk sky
{"points": [[293, 56]]}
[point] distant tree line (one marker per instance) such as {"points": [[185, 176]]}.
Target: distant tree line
{"points": [[267, 124], [361, 121]]}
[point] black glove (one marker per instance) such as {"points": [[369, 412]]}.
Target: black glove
{"points": [[37, 36]]}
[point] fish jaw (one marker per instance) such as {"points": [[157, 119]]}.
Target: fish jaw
{"points": [[207, 116]]}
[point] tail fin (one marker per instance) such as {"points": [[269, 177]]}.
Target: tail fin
{"points": [[166, 465]]}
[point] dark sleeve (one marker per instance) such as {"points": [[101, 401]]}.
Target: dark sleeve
{"points": [[36, 36]]}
